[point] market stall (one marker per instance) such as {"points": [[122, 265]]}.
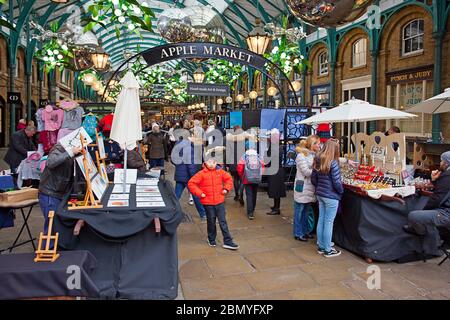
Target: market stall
{"points": [[134, 261]]}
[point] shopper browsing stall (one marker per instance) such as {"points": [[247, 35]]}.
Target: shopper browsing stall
{"points": [[57, 179], [437, 211], [326, 177], [304, 190], [211, 184], [21, 143], [183, 157], [157, 147]]}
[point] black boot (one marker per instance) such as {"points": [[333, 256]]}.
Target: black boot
{"points": [[241, 201], [274, 212]]}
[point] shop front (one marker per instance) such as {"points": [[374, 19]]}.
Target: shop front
{"points": [[406, 88], [320, 95]]}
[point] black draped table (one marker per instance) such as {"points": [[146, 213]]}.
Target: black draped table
{"points": [[22, 278], [373, 228], [134, 262]]}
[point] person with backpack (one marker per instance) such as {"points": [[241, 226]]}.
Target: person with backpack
{"points": [[326, 178], [250, 168], [211, 184]]}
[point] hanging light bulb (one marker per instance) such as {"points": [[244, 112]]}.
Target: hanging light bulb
{"points": [[177, 91], [97, 86], [100, 59], [272, 91], [253, 95], [240, 98], [219, 102], [258, 40], [297, 85], [89, 79], [199, 75]]}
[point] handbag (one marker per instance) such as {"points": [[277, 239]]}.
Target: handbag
{"points": [[299, 185]]}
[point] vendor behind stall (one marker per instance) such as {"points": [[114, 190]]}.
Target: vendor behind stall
{"points": [[57, 179], [437, 211]]}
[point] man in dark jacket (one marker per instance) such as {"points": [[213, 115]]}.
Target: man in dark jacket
{"points": [[437, 211], [187, 161], [57, 179], [21, 143], [157, 146], [135, 161]]}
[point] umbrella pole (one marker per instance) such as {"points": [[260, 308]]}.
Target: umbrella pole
{"points": [[356, 141], [125, 170]]}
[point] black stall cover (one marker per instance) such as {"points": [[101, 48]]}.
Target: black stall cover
{"points": [[133, 261], [374, 228]]}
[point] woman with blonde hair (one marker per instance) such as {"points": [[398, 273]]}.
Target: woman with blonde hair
{"points": [[304, 190], [326, 177]]}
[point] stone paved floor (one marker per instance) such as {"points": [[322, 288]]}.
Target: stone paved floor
{"points": [[270, 264]]}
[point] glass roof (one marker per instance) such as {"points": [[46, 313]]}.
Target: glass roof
{"points": [[237, 17]]}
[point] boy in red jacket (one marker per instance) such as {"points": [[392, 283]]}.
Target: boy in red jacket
{"points": [[211, 184]]}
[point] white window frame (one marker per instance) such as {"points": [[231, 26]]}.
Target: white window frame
{"points": [[359, 58], [65, 75], [418, 35], [323, 63]]}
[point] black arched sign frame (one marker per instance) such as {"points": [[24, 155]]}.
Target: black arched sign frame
{"points": [[206, 50]]}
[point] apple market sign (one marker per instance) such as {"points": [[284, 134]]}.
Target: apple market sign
{"points": [[203, 50]]}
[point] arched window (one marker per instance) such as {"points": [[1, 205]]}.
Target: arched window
{"points": [[412, 35], [323, 63], [359, 53]]}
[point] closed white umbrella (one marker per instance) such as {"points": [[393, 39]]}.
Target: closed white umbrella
{"points": [[354, 111], [434, 105], [126, 127]]}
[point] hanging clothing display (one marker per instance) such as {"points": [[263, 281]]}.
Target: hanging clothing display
{"points": [[40, 120], [90, 123], [48, 139], [105, 124], [72, 118], [52, 117], [251, 118]]}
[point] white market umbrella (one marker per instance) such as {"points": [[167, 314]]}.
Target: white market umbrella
{"points": [[126, 127], [354, 111], [434, 105]]}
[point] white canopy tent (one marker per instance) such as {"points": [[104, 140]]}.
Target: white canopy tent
{"points": [[127, 127], [434, 105], [355, 111]]}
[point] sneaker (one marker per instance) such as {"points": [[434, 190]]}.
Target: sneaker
{"points": [[332, 253], [250, 216], [320, 251], [309, 236], [231, 246], [241, 201], [303, 239], [211, 243], [203, 219]]}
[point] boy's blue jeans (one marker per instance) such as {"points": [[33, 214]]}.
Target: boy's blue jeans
{"points": [[301, 211], [327, 212], [179, 188], [213, 212]]}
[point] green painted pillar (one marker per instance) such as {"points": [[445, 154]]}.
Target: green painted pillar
{"points": [[303, 93], [436, 129], [332, 84], [374, 88]]}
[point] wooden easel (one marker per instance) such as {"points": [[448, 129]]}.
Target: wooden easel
{"points": [[89, 201], [46, 254]]}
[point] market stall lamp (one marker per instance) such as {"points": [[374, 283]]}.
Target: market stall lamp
{"points": [[297, 85], [258, 40], [240, 98], [100, 59], [177, 91], [229, 99], [219, 102], [97, 86], [272, 91], [253, 95], [199, 75]]}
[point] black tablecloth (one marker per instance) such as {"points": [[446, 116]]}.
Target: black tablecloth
{"points": [[133, 261], [373, 228], [22, 278]]}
